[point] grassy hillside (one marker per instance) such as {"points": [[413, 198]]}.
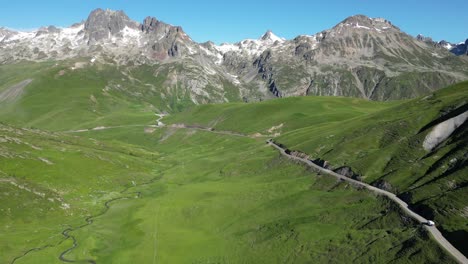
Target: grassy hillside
{"points": [[386, 149], [178, 196], [62, 96], [50, 181], [381, 143], [76, 94], [279, 115]]}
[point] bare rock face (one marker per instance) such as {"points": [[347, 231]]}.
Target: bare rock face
{"points": [[348, 172], [150, 24], [153, 26], [423, 38], [384, 185], [103, 24], [443, 130], [165, 38]]}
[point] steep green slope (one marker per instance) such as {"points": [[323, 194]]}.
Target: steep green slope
{"points": [[279, 115], [77, 94], [385, 149], [61, 97]]}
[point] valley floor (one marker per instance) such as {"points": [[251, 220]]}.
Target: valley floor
{"points": [[115, 184], [199, 197]]}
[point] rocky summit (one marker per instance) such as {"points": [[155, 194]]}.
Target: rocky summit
{"points": [[359, 57]]}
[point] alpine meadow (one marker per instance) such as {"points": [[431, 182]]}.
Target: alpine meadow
{"points": [[129, 142]]}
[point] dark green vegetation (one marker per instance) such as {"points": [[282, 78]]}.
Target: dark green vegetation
{"points": [[139, 194]]}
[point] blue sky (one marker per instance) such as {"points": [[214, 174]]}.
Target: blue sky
{"points": [[231, 21]]}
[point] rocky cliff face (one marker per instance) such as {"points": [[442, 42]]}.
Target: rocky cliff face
{"points": [[105, 33], [360, 57], [103, 24]]}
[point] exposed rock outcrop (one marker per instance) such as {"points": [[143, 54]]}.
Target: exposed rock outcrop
{"points": [[384, 185], [443, 130], [348, 172], [102, 24]]}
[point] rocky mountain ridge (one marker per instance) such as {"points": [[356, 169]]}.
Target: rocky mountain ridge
{"points": [[457, 49], [104, 32], [359, 57]]}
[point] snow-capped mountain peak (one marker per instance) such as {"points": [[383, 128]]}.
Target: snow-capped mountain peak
{"points": [[115, 34], [104, 31], [341, 58], [269, 36], [252, 47]]}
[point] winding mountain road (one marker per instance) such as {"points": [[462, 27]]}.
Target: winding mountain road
{"points": [[436, 234], [404, 206], [158, 124]]}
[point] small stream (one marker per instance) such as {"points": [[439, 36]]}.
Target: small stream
{"points": [[89, 220]]}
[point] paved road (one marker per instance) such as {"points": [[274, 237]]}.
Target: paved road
{"points": [[431, 229]]}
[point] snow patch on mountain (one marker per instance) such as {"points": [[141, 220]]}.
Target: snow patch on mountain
{"points": [[234, 78], [252, 47], [131, 33], [448, 46], [226, 47], [364, 27], [270, 38]]}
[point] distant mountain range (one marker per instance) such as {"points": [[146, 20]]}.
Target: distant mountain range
{"points": [[359, 57], [457, 49]]}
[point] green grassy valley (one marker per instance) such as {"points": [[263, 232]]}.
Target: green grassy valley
{"points": [[381, 143], [186, 192], [189, 200]]}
